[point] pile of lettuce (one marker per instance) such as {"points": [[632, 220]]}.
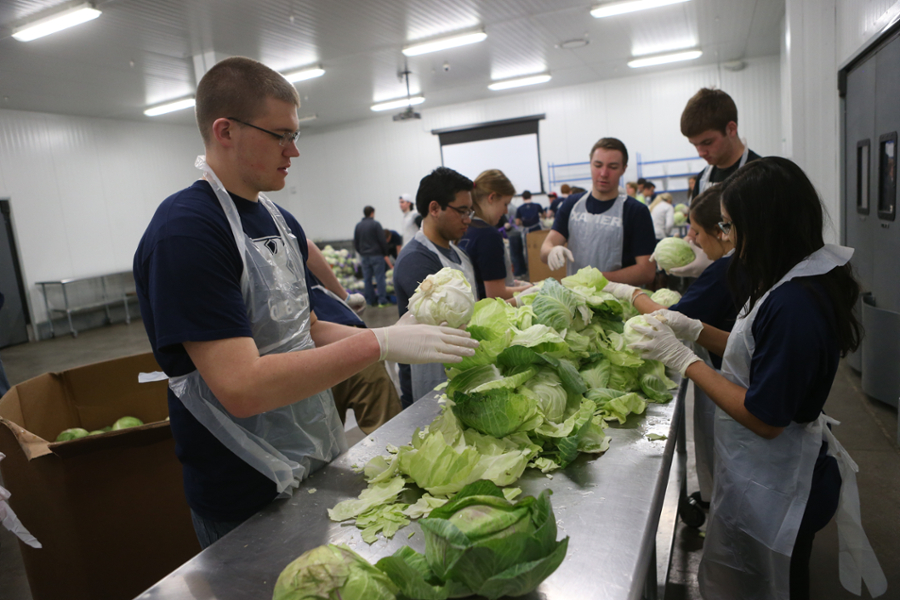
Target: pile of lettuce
{"points": [[541, 388]]}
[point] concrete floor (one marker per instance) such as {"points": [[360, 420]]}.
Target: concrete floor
{"points": [[868, 431]]}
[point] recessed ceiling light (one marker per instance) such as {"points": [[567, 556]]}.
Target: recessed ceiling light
{"points": [[304, 74], [519, 82], [576, 43], [443, 43], [610, 9], [168, 107], [56, 22], [661, 59], [399, 103]]}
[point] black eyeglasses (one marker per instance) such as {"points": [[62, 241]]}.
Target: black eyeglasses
{"points": [[283, 138], [463, 211], [725, 226]]}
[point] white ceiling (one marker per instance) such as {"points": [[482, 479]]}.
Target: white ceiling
{"points": [[141, 52]]}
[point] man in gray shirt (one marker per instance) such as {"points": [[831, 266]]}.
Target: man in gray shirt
{"points": [[371, 245]]}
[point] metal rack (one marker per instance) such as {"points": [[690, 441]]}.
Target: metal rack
{"points": [[73, 303]]}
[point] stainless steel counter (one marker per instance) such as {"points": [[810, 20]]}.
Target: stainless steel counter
{"points": [[609, 506]]}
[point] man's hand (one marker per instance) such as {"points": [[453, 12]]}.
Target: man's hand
{"points": [[558, 257], [421, 344], [357, 302]]}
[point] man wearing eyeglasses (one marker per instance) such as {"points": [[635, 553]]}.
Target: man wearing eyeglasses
{"points": [[223, 285], [444, 200]]}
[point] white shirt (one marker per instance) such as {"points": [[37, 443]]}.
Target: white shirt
{"points": [[409, 226], [663, 215]]}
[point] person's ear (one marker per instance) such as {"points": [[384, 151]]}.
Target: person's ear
{"points": [[223, 132], [434, 208], [731, 128]]}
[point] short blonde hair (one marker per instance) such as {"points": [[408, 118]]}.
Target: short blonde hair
{"points": [[492, 181]]}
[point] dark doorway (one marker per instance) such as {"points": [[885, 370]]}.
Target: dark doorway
{"points": [[14, 317]]}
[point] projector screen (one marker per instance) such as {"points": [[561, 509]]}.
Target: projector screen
{"points": [[516, 156], [511, 145]]}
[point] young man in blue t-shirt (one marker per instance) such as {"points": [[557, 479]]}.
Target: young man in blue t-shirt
{"points": [[224, 292], [601, 228]]}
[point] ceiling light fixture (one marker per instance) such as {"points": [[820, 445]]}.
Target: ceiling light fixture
{"points": [[399, 103], [161, 109], [519, 82], [444, 43], [56, 22], [662, 59], [304, 74], [311, 117], [610, 9]]}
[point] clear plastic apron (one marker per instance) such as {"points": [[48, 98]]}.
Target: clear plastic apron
{"points": [[426, 377], [707, 172], [288, 443], [762, 486], [596, 240]]}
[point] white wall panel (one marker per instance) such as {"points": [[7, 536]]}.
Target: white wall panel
{"points": [[83, 190], [342, 169]]}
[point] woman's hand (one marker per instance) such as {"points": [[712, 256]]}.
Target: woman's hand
{"points": [[659, 343], [685, 328]]}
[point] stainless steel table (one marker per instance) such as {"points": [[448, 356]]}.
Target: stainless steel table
{"points": [[609, 506]]}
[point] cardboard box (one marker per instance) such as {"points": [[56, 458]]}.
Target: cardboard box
{"points": [[538, 271], [109, 510]]}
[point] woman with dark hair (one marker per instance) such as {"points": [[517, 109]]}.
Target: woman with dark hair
{"points": [[779, 470], [708, 299]]}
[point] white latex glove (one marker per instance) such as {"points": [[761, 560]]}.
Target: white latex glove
{"points": [[558, 257], [357, 302], [622, 291], [659, 343], [685, 328], [408, 318], [421, 344], [10, 521], [694, 268]]}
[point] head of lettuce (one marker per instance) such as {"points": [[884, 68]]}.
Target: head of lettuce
{"points": [[444, 297], [333, 572]]}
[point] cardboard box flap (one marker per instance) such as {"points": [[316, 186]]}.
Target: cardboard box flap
{"points": [[32, 446], [132, 437], [41, 405]]}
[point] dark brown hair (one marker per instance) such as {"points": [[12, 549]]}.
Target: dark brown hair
{"points": [[706, 210], [610, 144], [777, 217], [708, 109], [238, 87]]}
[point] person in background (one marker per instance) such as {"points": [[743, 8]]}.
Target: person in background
{"points": [[516, 241], [484, 244], [691, 187], [710, 300], [371, 393], [444, 199], [555, 202], [394, 242], [528, 215], [370, 243], [223, 283], [710, 123], [576, 190], [640, 191], [631, 189], [780, 473], [565, 190], [603, 229], [648, 191], [663, 214], [410, 223]]}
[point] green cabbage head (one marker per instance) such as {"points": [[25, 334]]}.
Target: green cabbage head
{"points": [[444, 296], [665, 297], [679, 218], [333, 573], [673, 252]]}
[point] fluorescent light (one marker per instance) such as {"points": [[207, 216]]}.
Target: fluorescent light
{"points": [[57, 22], [169, 107], [610, 9], [662, 59], [444, 43], [401, 103], [311, 117], [519, 82], [304, 74]]}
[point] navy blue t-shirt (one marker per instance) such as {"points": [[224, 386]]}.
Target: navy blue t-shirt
{"points": [[791, 373], [554, 206], [639, 237], [187, 272], [331, 310], [415, 263], [709, 300], [529, 213], [484, 245]]}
